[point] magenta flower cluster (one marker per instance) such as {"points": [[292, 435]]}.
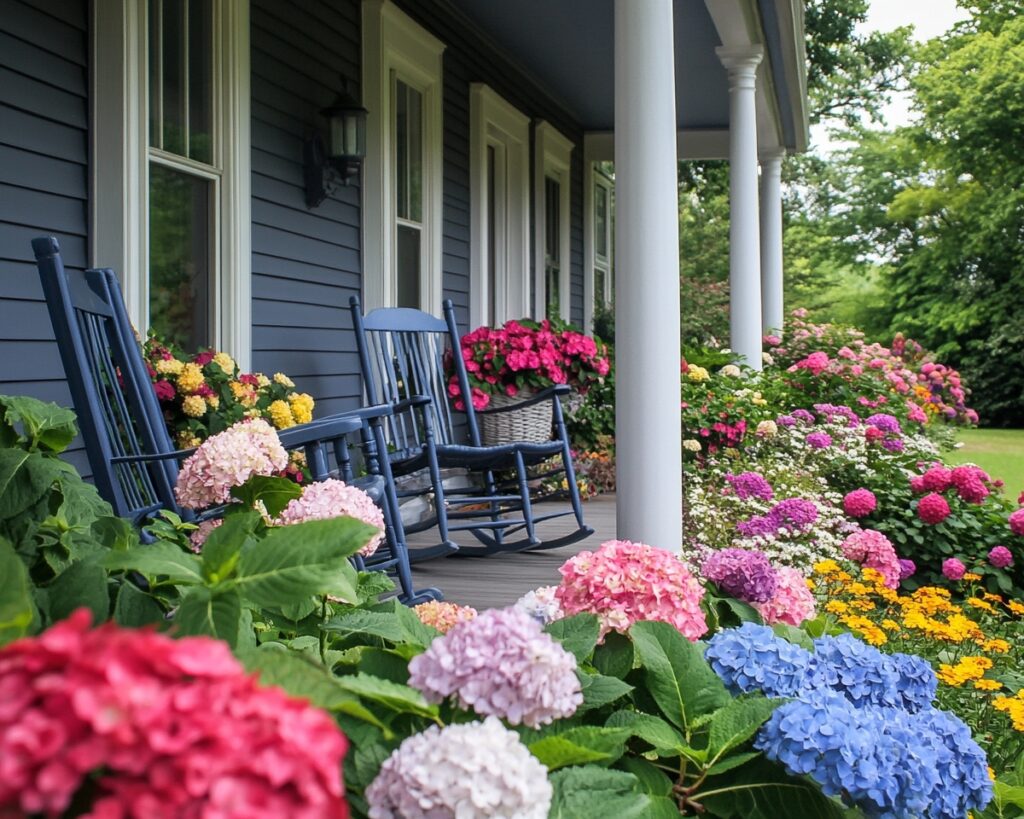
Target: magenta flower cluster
{"points": [[819, 440], [228, 459], [860, 503], [953, 569], [1000, 557], [873, 550], [1016, 521], [156, 727], [933, 508], [793, 513], [749, 485], [500, 663], [475, 769], [745, 574], [331, 499], [624, 582]]}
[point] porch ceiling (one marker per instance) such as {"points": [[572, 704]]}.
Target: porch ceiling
{"points": [[568, 46]]}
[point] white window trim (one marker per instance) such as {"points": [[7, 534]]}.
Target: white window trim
{"points": [[392, 41], [595, 177], [496, 122], [552, 157], [119, 173]]}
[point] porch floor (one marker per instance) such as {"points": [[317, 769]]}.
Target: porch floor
{"points": [[489, 582]]}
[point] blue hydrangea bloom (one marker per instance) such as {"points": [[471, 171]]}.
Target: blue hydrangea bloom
{"points": [[917, 681], [753, 658]]}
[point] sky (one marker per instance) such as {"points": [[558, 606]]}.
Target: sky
{"points": [[929, 18]]}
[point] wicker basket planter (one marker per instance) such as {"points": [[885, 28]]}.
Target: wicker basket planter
{"points": [[532, 423]]}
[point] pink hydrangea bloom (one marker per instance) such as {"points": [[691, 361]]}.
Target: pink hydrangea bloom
{"points": [[917, 485], [873, 550], [443, 616], [1000, 557], [970, 482], [859, 503], [199, 536], [937, 479], [228, 459], [1016, 521], [331, 499], [500, 663], [468, 770], [933, 508], [624, 582], [158, 728], [953, 569], [792, 603]]}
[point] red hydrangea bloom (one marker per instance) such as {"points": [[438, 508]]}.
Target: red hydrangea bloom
{"points": [[158, 728], [917, 485], [970, 482], [164, 390], [933, 509], [859, 503]]}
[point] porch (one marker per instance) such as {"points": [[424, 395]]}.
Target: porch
{"points": [[498, 581]]}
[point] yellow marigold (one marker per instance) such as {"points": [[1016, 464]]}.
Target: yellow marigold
{"points": [[978, 603], [992, 598], [281, 414], [862, 605], [1014, 707], [872, 576], [858, 589], [890, 625], [194, 406], [826, 567], [971, 577], [867, 630], [213, 401], [225, 362], [302, 407], [262, 380], [283, 380], [190, 378], [1015, 607], [986, 684], [995, 646], [836, 607], [168, 366]]}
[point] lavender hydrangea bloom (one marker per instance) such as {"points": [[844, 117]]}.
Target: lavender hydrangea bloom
{"points": [[884, 422], [744, 574], [819, 440], [893, 444], [795, 512], [786, 421], [832, 411], [803, 415], [907, 568], [752, 658], [500, 663], [757, 526], [748, 485], [473, 769]]}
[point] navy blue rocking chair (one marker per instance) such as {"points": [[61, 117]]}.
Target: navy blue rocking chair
{"points": [[131, 455], [402, 354]]}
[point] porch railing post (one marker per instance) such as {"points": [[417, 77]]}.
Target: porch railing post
{"points": [[744, 230], [771, 242], [648, 440]]}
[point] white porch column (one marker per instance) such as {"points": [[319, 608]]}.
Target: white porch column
{"points": [[744, 244], [648, 445], [771, 242]]}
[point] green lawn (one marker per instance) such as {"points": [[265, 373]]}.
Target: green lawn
{"points": [[1000, 452]]}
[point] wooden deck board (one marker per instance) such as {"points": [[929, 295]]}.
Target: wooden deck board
{"points": [[489, 582]]}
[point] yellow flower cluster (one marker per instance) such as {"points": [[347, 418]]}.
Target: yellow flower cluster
{"points": [[190, 378], [301, 407], [968, 669], [1013, 707], [225, 362], [695, 373], [281, 414]]}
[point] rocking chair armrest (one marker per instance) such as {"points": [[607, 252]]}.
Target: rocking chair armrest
{"points": [[174, 455], [409, 403], [551, 393], [326, 429]]}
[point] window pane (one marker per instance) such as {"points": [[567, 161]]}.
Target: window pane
{"points": [[200, 80], [599, 299], [492, 237], [172, 46], [179, 257], [155, 64], [552, 245], [601, 220], [408, 259], [408, 152]]}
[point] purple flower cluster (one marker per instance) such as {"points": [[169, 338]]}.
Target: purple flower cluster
{"points": [[884, 422], [830, 412], [786, 421], [741, 573], [819, 440], [803, 415], [500, 663], [793, 513], [748, 485]]}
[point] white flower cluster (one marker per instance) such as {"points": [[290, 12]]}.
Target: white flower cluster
{"points": [[477, 769], [541, 604]]}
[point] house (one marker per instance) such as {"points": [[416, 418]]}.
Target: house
{"points": [[168, 139]]}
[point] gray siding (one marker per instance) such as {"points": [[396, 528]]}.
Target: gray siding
{"points": [[305, 263], [44, 187], [469, 58]]}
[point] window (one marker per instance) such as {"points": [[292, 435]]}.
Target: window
{"points": [[604, 272], [403, 165], [499, 209], [553, 154], [171, 166]]}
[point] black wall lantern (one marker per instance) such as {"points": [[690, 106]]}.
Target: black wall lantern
{"points": [[339, 159]]}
